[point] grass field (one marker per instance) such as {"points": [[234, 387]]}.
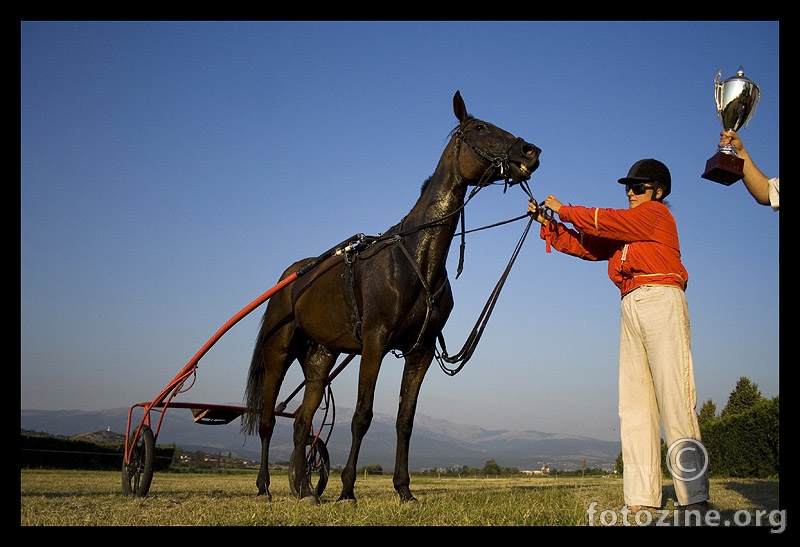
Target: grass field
{"points": [[94, 498]]}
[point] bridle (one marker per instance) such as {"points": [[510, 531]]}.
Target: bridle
{"points": [[496, 163]]}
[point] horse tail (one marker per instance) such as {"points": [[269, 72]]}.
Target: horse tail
{"points": [[254, 393]]}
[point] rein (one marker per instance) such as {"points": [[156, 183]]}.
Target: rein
{"points": [[474, 337]]}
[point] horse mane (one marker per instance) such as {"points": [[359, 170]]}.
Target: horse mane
{"points": [[457, 127], [425, 185], [449, 135]]}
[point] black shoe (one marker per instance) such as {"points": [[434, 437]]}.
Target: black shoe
{"points": [[701, 508]]}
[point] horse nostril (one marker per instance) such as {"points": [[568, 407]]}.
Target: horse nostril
{"points": [[529, 149]]}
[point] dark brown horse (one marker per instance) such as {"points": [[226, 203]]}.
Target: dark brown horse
{"points": [[390, 294]]}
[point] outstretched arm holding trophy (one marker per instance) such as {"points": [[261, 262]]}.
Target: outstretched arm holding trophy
{"points": [[765, 190]]}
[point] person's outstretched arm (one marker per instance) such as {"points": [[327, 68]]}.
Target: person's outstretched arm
{"points": [[756, 182]]}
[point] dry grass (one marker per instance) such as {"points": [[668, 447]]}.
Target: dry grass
{"points": [[94, 498]]}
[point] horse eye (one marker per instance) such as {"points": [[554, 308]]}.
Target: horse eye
{"points": [[480, 127]]}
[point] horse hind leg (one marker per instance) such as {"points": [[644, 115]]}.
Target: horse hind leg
{"points": [[317, 365], [265, 433], [272, 383], [276, 362]]}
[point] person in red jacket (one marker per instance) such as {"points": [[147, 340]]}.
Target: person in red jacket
{"points": [[656, 374]]}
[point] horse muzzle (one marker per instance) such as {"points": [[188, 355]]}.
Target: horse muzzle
{"points": [[523, 160]]}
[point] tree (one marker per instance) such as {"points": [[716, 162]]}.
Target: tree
{"points": [[491, 467], [742, 398], [708, 413]]}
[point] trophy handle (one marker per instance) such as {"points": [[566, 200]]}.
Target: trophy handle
{"points": [[718, 87], [718, 91]]}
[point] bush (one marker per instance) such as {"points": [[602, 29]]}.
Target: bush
{"points": [[747, 444], [47, 452]]}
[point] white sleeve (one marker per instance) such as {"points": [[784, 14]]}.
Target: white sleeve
{"points": [[774, 193]]}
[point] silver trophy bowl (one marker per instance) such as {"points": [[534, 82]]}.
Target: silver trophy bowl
{"points": [[737, 99]]}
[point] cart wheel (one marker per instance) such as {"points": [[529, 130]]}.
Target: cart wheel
{"points": [[138, 473], [318, 461]]}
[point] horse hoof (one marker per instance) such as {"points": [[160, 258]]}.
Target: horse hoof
{"points": [[310, 500], [348, 501], [265, 495]]}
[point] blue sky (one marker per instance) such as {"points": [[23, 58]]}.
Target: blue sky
{"points": [[170, 171]]}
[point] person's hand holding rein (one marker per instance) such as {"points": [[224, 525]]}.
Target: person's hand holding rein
{"points": [[543, 212]]}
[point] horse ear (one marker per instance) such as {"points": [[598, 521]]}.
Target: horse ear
{"points": [[459, 108]]}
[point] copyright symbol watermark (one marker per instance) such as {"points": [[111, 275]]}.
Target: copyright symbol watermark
{"points": [[687, 459]]}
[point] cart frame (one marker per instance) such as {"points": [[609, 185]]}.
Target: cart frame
{"points": [[140, 440]]}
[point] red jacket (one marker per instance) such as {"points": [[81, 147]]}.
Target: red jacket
{"points": [[640, 244]]}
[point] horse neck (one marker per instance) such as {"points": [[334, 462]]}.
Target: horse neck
{"points": [[442, 198]]}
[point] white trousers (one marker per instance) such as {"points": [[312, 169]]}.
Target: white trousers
{"points": [[656, 388]]}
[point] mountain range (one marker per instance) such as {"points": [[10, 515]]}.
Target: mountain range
{"points": [[435, 443]]}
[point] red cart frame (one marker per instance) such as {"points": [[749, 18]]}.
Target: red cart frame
{"points": [[140, 440]]}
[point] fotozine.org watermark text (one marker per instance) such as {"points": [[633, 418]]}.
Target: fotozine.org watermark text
{"points": [[687, 460], [664, 517]]}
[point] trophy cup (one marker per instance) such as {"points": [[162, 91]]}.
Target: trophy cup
{"points": [[737, 99]]}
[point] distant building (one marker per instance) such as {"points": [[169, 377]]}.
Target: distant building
{"points": [[545, 470]]}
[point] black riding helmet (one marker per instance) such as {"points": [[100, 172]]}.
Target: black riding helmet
{"points": [[649, 170]]}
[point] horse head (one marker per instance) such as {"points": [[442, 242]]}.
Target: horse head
{"points": [[495, 154]]}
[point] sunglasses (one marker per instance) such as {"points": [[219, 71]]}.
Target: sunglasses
{"points": [[638, 188]]}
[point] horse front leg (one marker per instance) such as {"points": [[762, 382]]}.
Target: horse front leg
{"points": [[413, 374], [362, 418]]}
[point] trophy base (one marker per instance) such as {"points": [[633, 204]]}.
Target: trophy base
{"points": [[724, 168]]}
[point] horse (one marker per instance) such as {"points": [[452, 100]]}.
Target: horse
{"points": [[390, 294]]}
